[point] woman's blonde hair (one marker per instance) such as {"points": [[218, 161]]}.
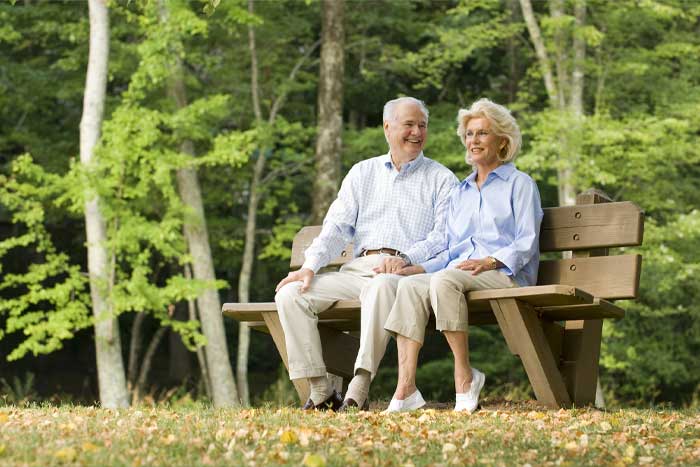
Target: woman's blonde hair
{"points": [[503, 124]]}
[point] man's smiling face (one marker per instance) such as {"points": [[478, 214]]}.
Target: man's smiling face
{"points": [[407, 132]]}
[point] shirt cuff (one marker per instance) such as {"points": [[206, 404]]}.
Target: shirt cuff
{"points": [[311, 263], [433, 265]]}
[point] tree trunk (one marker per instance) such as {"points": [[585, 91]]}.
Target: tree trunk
{"points": [[255, 186], [110, 365], [330, 108], [223, 384], [540, 50], [135, 350], [578, 73], [146, 364], [556, 9], [201, 359]]}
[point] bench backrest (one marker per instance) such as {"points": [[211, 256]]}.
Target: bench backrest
{"points": [[586, 230]]}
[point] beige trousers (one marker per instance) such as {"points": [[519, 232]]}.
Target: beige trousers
{"points": [[298, 314], [442, 291]]}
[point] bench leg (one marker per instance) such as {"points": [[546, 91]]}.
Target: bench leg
{"points": [[272, 321], [525, 337], [339, 352], [581, 352]]}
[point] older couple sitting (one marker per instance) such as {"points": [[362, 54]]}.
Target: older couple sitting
{"points": [[421, 242]]}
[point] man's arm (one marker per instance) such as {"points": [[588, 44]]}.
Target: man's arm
{"points": [[436, 241], [338, 229]]}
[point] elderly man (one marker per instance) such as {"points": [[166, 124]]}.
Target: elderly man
{"points": [[392, 207]]}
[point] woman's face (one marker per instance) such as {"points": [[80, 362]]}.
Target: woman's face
{"points": [[482, 144]]}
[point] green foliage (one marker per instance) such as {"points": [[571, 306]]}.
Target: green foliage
{"points": [[45, 299]]}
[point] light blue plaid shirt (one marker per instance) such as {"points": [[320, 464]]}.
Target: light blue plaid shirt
{"points": [[502, 220], [379, 207]]}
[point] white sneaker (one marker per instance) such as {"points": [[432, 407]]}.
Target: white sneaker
{"points": [[469, 400], [413, 402]]}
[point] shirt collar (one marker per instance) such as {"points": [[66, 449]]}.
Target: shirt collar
{"points": [[502, 171], [409, 166]]}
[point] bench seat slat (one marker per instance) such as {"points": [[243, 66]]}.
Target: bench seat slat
{"points": [[555, 298], [599, 309]]}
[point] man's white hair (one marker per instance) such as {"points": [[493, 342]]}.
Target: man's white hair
{"points": [[390, 107]]}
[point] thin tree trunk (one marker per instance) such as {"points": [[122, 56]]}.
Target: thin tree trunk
{"points": [[251, 223], [218, 364], [134, 350], [192, 310], [255, 186], [110, 365], [578, 72], [556, 8], [330, 108], [540, 50], [147, 362]]}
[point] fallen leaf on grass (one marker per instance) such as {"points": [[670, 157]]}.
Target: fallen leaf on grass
{"points": [[89, 447], [4, 417], [314, 460], [645, 460], [65, 454], [605, 427], [289, 437], [2, 449]]}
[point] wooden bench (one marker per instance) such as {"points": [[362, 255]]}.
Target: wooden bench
{"points": [[554, 327]]}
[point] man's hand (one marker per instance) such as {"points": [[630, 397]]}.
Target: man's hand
{"points": [[476, 266], [411, 270], [304, 275], [390, 265]]}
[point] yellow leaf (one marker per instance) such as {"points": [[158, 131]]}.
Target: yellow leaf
{"points": [[3, 417], [289, 437], [629, 451], [645, 460], [2, 449], [89, 447], [65, 454], [314, 460], [605, 427]]}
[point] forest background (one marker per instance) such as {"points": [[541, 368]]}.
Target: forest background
{"points": [[607, 95]]}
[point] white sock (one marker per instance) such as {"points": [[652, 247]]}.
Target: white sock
{"points": [[358, 389], [320, 389]]}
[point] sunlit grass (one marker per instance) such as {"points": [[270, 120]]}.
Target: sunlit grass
{"points": [[511, 434]]}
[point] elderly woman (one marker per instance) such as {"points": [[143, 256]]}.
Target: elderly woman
{"points": [[493, 225]]}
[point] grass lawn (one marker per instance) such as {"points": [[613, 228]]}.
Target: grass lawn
{"points": [[499, 434]]}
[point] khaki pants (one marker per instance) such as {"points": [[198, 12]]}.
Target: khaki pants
{"points": [[298, 314], [442, 291]]}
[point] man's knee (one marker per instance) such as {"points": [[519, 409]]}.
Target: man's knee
{"points": [[382, 283], [288, 294]]}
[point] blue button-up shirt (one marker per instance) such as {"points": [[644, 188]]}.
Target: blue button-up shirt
{"points": [[380, 207], [502, 220]]}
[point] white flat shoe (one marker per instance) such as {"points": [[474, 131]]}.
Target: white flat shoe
{"points": [[469, 401], [413, 402]]}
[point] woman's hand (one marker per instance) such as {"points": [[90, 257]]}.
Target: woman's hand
{"points": [[477, 266]]}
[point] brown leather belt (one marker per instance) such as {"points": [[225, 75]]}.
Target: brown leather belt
{"points": [[386, 251]]}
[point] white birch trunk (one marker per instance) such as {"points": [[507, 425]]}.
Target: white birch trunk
{"points": [[110, 365]]}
